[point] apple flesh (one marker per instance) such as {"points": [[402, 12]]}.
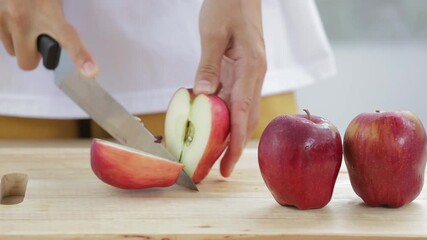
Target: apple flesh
{"points": [[196, 131], [127, 168], [385, 154], [299, 157]]}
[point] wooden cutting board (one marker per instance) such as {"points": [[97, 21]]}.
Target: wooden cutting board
{"points": [[65, 200]]}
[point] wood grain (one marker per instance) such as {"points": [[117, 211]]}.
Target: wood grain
{"points": [[65, 200]]}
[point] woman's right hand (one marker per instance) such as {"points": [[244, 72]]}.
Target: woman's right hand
{"points": [[22, 21]]}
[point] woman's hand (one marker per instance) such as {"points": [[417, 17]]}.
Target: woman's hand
{"points": [[22, 21], [233, 65]]}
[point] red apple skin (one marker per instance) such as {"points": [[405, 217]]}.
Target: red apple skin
{"points": [[385, 154], [129, 170], [300, 159], [218, 138]]}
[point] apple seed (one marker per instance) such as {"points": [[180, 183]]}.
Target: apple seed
{"points": [[158, 139], [189, 133]]}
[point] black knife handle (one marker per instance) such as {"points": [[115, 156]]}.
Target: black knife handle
{"points": [[50, 51]]}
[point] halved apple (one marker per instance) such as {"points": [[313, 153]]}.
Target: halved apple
{"points": [[196, 131], [127, 168]]}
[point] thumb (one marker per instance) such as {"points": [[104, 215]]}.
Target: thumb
{"points": [[73, 44], [208, 72]]}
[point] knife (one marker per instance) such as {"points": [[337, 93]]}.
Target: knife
{"points": [[101, 106]]}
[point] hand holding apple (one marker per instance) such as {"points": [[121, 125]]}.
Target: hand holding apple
{"points": [[299, 157], [385, 154]]}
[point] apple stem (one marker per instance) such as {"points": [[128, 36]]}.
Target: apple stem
{"points": [[308, 114], [377, 111]]}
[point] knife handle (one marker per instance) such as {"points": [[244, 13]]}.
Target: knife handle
{"points": [[50, 51]]}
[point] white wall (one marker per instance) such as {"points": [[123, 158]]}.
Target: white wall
{"points": [[371, 75]]}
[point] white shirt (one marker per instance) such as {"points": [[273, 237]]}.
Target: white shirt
{"points": [[146, 50]]}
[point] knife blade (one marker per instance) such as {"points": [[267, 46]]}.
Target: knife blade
{"points": [[101, 106]]}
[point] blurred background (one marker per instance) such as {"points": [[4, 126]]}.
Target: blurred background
{"points": [[380, 48]]}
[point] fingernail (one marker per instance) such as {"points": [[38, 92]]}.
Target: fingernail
{"points": [[89, 69], [204, 86]]}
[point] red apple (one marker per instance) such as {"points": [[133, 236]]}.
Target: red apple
{"points": [[127, 168], [385, 154], [299, 157], [196, 131]]}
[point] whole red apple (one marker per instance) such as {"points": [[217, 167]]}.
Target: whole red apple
{"points": [[385, 154], [196, 131], [299, 157]]}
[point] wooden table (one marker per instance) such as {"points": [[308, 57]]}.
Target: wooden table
{"points": [[65, 200]]}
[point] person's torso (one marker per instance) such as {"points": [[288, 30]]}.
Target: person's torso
{"points": [[146, 50]]}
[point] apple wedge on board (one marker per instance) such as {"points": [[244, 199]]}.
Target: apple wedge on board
{"points": [[196, 131], [127, 168]]}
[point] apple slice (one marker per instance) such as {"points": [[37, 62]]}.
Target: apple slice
{"points": [[127, 168], [196, 131]]}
